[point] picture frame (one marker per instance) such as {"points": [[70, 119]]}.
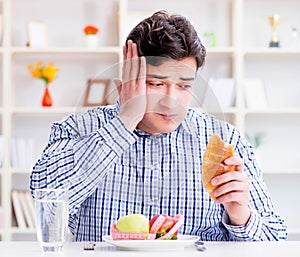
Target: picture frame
{"points": [[37, 32], [96, 92]]}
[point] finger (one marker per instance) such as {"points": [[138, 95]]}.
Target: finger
{"points": [[135, 67], [124, 63], [124, 53], [142, 72], [234, 186], [118, 84], [229, 176], [129, 50], [127, 63], [235, 196], [134, 51], [224, 168], [234, 160]]}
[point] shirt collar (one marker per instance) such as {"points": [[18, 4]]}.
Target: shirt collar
{"points": [[118, 106], [189, 125]]}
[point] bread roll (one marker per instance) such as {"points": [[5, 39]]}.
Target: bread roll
{"points": [[216, 152]]}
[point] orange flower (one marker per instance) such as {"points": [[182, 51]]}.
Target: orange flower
{"points": [[46, 72], [90, 29]]}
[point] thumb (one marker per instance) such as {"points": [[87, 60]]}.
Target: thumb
{"points": [[118, 84]]}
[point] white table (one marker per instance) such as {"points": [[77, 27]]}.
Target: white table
{"points": [[216, 249]]}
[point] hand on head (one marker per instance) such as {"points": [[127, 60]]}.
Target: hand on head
{"points": [[132, 88]]}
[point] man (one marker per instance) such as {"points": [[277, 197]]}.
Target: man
{"points": [[144, 154]]}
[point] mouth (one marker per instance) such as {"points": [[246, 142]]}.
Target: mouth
{"points": [[168, 116]]}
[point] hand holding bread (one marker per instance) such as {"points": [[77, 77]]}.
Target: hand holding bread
{"points": [[216, 153], [225, 181]]}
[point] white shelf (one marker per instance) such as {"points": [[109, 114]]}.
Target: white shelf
{"points": [[234, 57], [16, 230], [219, 50], [227, 110], [281, 171], [272, 51], [45, 110], [20, 171], [273, 111], [293, 230], [65, 50]]}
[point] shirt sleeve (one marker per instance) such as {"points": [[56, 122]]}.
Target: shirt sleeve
{"points": [[255, 230], [264, 224], [79, 162]]}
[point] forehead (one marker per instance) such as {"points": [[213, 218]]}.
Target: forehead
{"points": [[185, 68]]}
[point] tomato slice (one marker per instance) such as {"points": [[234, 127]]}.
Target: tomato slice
{"points": [[156, 222], [165, 226]]}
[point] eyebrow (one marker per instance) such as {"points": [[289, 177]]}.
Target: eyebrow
{"points": [[165, 77]]}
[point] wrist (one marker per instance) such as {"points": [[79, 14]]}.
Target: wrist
{"points": [[240, 218], [128, 121]]}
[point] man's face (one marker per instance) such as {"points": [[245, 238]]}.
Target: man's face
{"points": [[169, 93]]}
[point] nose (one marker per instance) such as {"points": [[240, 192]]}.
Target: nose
{"points": [[169, 98]]}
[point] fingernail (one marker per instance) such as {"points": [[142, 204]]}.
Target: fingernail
{"points": [[227, 161], [214, 181]]}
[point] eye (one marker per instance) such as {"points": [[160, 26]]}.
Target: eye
{"points": [[184, 86], [155, 84]]}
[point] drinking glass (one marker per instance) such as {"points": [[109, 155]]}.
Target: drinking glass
{"points": [[51, 218]]}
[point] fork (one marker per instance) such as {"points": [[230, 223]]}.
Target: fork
{"points": [[89, 246], [200, 246]]}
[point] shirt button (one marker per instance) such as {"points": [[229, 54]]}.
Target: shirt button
{"points": [[151, 167], [150, 202]]}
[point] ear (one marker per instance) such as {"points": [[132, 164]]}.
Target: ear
{"points": [[118, 84]]}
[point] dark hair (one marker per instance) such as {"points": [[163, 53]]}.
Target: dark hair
{"points": [[167, 35]]}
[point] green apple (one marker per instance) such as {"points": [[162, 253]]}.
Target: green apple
{"points": [[137, 223]]}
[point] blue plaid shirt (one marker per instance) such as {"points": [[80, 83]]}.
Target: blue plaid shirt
{"points": [[111, 171]]}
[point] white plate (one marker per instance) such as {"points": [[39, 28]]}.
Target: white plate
{"points": [[152, 245]]}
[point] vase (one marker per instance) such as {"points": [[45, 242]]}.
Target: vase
{"points": [[47, 99], [91, 40]]}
